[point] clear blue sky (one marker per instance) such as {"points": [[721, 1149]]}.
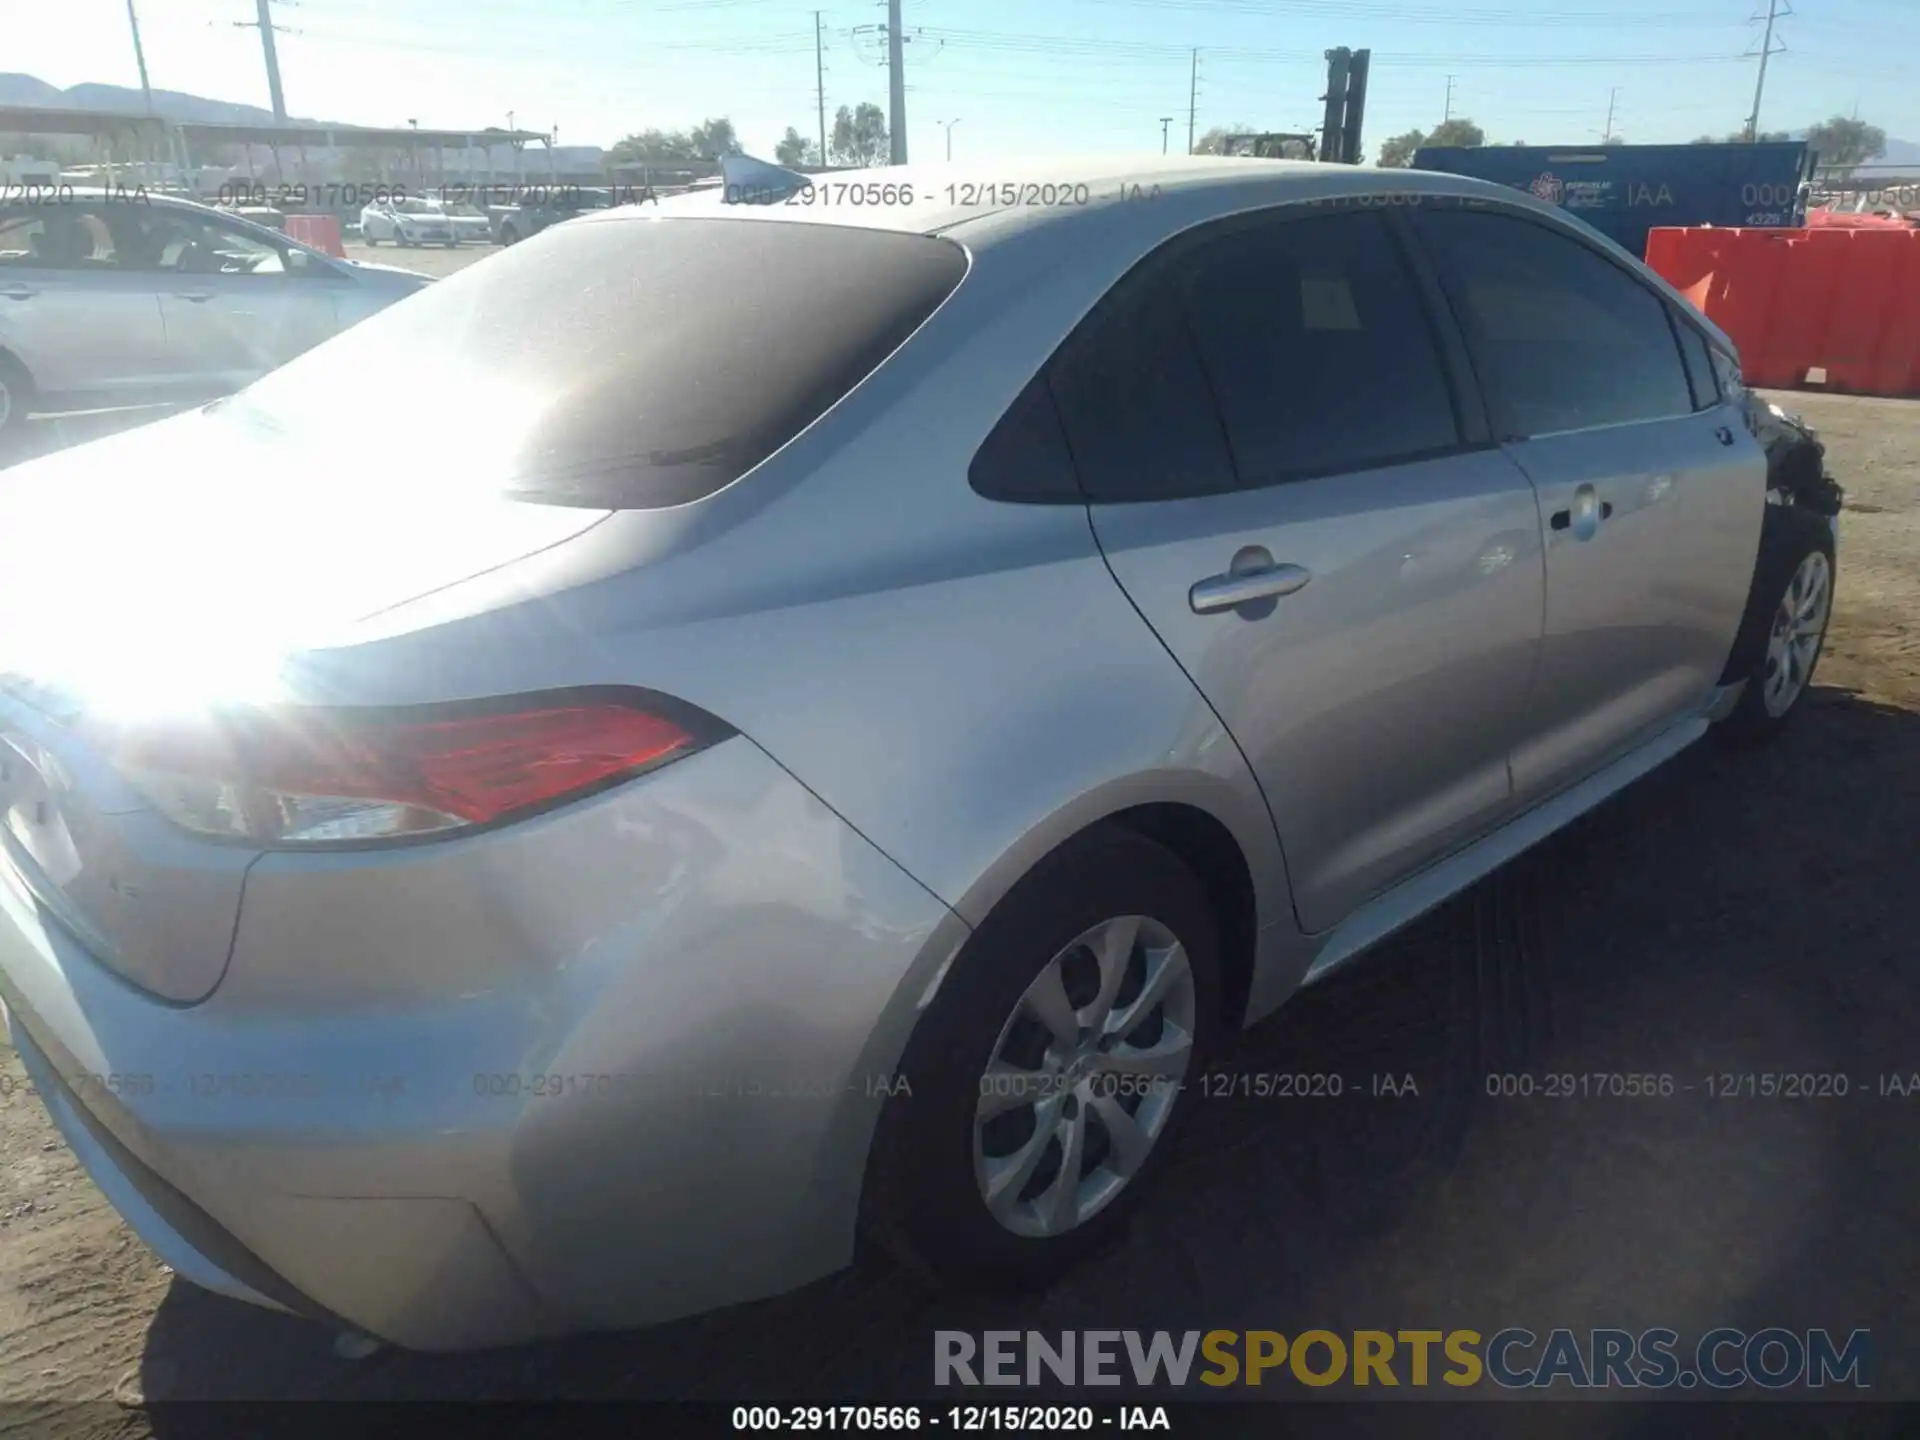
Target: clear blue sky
{"points": [[1070, 76]]}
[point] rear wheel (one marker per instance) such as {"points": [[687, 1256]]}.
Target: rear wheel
{"points": [[1785, 628], [1044, 1085]]}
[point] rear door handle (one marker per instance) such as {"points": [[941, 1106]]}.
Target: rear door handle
{"points": [[1724, 435], [1583, 517], [19, 292], [1242, 587], [1562, 519], [196, 296]]}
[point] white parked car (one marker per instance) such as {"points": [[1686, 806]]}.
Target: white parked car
{"points": [[407, 222], [467, 222], [107, 301]]}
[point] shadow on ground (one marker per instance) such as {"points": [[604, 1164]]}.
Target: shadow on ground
{"points": [[1742, 913]]}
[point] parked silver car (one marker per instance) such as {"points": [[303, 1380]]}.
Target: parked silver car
{"points": [[407, 220], [843, 749], [120, 298]]}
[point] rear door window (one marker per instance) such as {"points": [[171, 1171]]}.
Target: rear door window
{"points": [[63, 236], [1314, 334], [1565, 338], [629, 363]]}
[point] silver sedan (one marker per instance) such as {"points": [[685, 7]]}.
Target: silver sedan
{"points": [[124, 298], [843, 749]]}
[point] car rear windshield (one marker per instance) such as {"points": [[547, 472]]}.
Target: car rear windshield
{"points": [[630, 363]]}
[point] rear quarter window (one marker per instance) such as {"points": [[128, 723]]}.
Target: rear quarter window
{"points": [[635, 363], [1698, 355]]}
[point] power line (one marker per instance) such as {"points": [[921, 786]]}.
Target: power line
{"points": [[785, 43], [1062, 46], [1424, 15]]}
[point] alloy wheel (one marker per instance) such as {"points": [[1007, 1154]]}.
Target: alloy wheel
{"points": [[1799, 627], [1084, 1077]]}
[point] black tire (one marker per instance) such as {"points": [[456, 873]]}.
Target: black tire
{"points": [[922, 1203], [371, 242], [508, 235], [1788, 537], [16, 397]]}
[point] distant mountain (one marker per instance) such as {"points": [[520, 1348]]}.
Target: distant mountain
{"points": [[25, 90], [1904, 153]]}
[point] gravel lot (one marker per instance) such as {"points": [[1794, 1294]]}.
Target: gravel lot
{"points": [[427, 259], [1751, 912]]}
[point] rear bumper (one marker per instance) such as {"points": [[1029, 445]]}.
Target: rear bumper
{"points": [[179, 1232], [607, 1068]]}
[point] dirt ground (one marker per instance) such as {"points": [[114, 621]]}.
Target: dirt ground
{"points": [[1738, 912], [426, 259]]}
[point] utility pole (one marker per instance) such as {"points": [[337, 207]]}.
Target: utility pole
{"points": [[1447, 113], [947, 125], [140, 57], [265, 24], [896, 87], [820, 87], [1193, 96], [146, 90], [1165, 121], [1766, 49], [1613, 98]]}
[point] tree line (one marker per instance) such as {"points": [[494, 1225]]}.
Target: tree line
{"points": [[858, 137]]}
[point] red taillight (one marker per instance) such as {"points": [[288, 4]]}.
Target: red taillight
{"points": [[314, 776]]}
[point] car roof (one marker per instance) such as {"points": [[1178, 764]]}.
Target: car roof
{"points": [[986, 204], [990, 198]]}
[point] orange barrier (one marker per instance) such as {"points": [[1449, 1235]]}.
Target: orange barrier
{"points": [[1848, 220], [322, 232], [1831, 307]]}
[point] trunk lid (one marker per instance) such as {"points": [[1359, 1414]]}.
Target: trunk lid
{"points": [[176, 566]]}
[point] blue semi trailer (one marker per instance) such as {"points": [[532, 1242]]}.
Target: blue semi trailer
{"points": [[1623, 191]]}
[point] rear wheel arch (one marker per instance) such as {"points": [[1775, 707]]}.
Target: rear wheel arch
{"points": [[1208, 848], [20, 390], [1199, 837], [1217, 828]]}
